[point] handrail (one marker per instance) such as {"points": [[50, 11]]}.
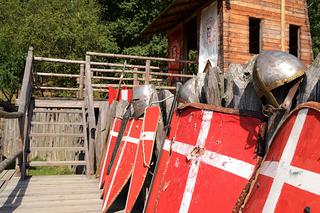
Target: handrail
{"points": [[21, 115], [111, 55], [10, 115]]}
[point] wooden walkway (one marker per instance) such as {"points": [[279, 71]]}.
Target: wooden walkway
{"points": [[68, 193]]}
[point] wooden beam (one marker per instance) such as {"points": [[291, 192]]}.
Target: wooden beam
{"points": [[58, 60], [58, 88], [10, 115], [57, 163], [24, 102], [75, 149], [147, 74], [74, 111], [63, 103], [81, 81], [135, 78], [121, 65], [283, 25], [56, 134], [55, 123], [91, 114], [110, 55], [5, 163], [56, 75], [86, 143]]}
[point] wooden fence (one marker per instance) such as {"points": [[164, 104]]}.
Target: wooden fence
{"points": [[88, 81], [23, 117]]}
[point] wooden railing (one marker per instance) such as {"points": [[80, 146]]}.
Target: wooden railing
{"points": [[88, 80], [106, 70], [23, 116]]}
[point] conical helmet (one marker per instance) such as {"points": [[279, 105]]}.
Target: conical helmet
{"points": [[274, 69], [141, 97]]}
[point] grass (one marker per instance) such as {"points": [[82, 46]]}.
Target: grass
{"points": [[49, 170], [45, 170]]}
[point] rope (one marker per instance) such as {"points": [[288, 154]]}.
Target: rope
{"points": [[157, 102]]}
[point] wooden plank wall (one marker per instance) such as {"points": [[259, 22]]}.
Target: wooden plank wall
{"points": [[236, 28], [10, 134], [45, 123], [9, 131]]}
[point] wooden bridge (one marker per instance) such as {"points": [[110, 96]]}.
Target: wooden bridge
{"points": [[62, 122]]}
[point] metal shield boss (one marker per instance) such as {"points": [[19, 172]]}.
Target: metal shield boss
{"points": [[142, 96]]}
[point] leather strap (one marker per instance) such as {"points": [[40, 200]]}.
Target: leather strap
{"points": [[288, 100]]}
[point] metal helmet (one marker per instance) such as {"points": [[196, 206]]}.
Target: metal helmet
{"points": [[141, 98], [191, 89], [273, 69]]}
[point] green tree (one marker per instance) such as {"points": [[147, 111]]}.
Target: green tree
{"points": [[65, 29], [126, 20], [314, 16]]}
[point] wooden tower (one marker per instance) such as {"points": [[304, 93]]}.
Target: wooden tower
{"points": [[239, 28]]}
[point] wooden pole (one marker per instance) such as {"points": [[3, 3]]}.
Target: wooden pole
{"points": [[120, 81], [81, 80], [85, 133], [24, 101], [147, 75], [135, 78], [283, 25], [91, 115]]}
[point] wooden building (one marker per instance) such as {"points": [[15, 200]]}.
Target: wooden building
{"points": [[240, 28]]}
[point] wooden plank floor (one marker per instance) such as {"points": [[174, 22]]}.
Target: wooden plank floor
{"points": [[68, 193]]}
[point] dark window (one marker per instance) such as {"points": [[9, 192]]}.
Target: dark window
{"points": [[254, 35], [191, 33], [294, 40]]}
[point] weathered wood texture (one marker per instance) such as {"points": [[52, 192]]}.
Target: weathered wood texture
{"points": [[310, 89], [91, 120], [213, 85], [235, 47], [239, 90], [74, 193], [45, 134]]}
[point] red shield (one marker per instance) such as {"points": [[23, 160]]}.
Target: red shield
{"points": [[122, 167], [289, 178], [110, 146], [206, 162], [143, 155]]}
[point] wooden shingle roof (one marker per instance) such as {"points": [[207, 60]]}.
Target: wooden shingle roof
{"points": [[178, 11]]}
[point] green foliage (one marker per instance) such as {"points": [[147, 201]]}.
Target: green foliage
{"points": [[314, 17], [64, 29], [127, 19], [45, 170]]}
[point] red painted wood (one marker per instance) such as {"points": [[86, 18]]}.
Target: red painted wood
{"points": [[110, 146], [122, 167], [113, 92], [292, 198], [143, 155], [161, 168], [215, 188]]}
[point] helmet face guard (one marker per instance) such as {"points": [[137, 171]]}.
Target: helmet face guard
{"points": [[142, 96], [274, 69]]}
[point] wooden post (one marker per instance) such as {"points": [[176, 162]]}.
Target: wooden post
{"points": [[91, 115], [85, 138], [283, 25], [81, 79], [24, 100], [147, 75], [135, 78]]}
